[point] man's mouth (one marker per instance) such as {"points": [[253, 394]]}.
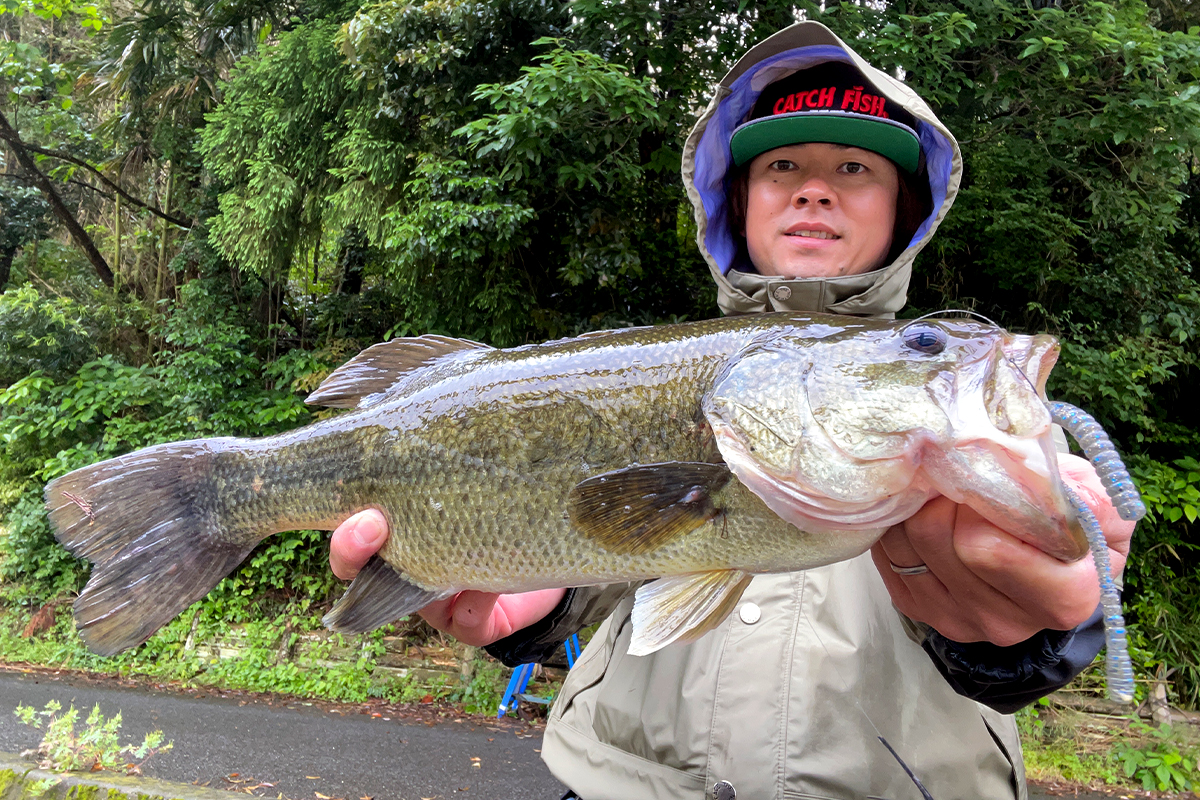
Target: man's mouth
{"points": [[813, 235]]}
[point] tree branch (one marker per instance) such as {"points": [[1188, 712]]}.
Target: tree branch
{"points": [[22, 179], [9, 134], [155, 210]]}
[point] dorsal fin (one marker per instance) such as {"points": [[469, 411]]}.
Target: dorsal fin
{"points": [[378, 368], [611, 331]]}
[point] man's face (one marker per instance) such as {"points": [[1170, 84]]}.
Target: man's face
{"points": [[820, 210]]}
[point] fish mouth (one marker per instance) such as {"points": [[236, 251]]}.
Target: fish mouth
{"points": [[1033, 356], [1011, 477]]}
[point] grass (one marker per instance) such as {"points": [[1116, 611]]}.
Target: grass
{"points": [[268, 658], [1066, 746]]}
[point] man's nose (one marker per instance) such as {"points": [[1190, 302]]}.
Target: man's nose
{"points": [[814, 191]]}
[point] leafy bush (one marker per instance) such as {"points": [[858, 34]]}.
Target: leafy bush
{"points": [[51, 336], [97, 746], [1159, 764]]}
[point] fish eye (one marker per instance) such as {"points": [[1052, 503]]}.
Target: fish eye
{"points": [[925, 339]]}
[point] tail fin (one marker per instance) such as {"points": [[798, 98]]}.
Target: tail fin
{"points": [[149, 523]]}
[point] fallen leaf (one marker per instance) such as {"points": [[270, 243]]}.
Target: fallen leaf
{"points": [[313, 777]]}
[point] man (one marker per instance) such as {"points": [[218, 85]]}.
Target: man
{"points": [[816, 179]]}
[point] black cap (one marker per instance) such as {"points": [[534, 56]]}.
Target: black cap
{"points": [[831, 102]]}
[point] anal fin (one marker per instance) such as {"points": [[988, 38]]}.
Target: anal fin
{"points": [[683, 608], [378, 595]]}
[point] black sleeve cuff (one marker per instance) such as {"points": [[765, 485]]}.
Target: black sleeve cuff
{"points": [[1010, 678], [537, 642]]}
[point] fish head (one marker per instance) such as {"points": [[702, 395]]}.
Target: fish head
{"points": [[856, 425]]}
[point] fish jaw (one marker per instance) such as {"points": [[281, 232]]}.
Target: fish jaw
{"points": [[1003, 462], [1017, 489]]}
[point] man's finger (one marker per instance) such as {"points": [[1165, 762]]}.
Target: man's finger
{"points": [[473, 609], [355, 541], [1054, 594]]}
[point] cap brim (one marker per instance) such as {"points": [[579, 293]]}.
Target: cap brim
{"points": [[891, 140]]}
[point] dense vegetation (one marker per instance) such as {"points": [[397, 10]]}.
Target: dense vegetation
{"points": [[205, 207]]}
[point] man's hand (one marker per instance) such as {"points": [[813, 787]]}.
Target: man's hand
{"points": [[985, 585], [474, 618]]}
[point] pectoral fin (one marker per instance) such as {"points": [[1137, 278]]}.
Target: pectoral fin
{"points": [[378, 595], [683, 608], [640, 508]]}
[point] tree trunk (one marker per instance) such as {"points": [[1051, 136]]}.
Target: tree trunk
{"points": [[161, 278], [352, 258], [117, 242], [9, 134], [6, 259]]}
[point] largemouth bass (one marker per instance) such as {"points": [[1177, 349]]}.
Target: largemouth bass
{"points": [[700, 454]]}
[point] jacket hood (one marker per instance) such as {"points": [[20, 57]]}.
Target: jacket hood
{"points": [[707, 161]]}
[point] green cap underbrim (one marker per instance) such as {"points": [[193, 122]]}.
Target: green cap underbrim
{"points": [[891, 140]]}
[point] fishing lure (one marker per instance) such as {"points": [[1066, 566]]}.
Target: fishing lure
{"points": [[1099, 450]]}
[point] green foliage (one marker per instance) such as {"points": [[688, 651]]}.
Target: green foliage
{"points": [[1158, 765], [483, 692], [97, 746], [207, 381], [52, 336], [1052, 750]]}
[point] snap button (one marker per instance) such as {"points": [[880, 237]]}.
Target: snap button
{"points": [[723, 790], [750, 613], [782, 293]]}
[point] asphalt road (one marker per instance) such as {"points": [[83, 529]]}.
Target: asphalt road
{"points": [[304, 751]]}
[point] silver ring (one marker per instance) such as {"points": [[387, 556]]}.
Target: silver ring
{"points": [[919, 569]]}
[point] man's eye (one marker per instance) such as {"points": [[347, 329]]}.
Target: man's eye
{"points": [[782, 165], [853, 167]]}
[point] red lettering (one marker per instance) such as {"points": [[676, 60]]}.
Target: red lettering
{"points": [[878, 109], [826, 98], [865, 102], [778, 106], [790, 105], [850, 97], [810, 99]]}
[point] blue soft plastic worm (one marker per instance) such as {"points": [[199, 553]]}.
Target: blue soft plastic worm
{"points": [[1118, 670], [1128, 503], [1098, 449]]}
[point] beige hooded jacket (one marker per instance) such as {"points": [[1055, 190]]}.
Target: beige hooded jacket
{"points": [[787, 698]]}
